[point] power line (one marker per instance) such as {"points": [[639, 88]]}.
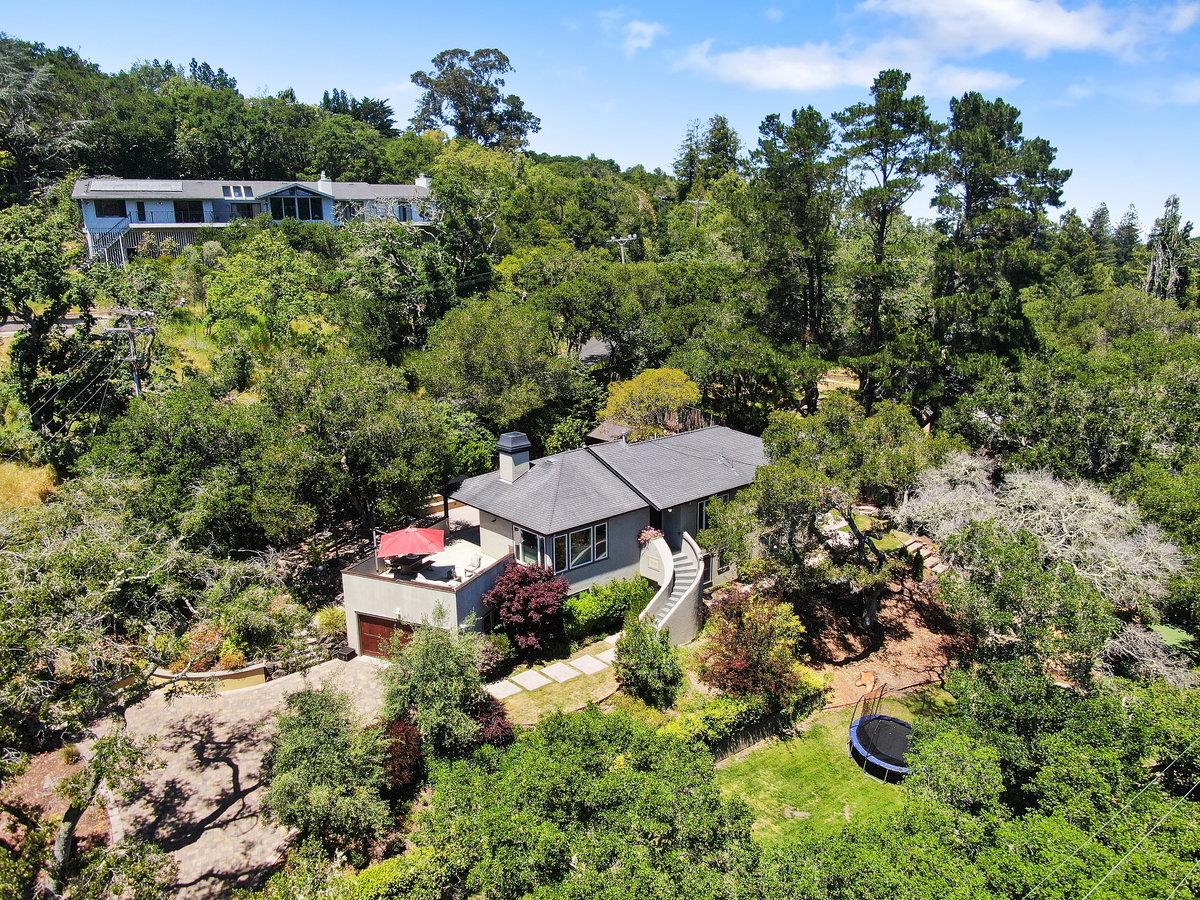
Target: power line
{"points": [[1184, 880], [41, 404], [106, 371], [1150, 831], [621, 242], [1124, 806]]}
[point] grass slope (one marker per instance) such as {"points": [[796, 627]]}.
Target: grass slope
{"points": [[810, 781]]}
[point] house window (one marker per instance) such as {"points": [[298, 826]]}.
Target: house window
{"points": [[110, 209], [561, 560], [248, 190], [702, 509], [141, 210], [189, 211], [527, 546], [227, 191], [580, 547], [304, 208]]}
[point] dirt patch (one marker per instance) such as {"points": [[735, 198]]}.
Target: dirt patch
{"points": [[915, 644], [36, 790]]}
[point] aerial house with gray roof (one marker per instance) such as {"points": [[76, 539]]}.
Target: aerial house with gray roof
{"points": [[122, 215], [580, 513]]}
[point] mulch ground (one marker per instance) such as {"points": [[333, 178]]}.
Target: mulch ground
{"points": [[913, 644], [35, 790]]}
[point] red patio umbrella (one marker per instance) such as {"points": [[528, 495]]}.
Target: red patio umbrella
{"points": [[412, 542]]}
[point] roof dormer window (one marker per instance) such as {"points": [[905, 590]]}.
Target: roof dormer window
{"points": [[226, 191]]}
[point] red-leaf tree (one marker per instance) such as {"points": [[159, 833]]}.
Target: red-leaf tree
{"points": [[404, 764], [753, 648], [494, 725], [529, 603]]}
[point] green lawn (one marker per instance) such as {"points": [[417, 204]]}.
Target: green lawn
{"points": [[810, 781], [1180, 641]]}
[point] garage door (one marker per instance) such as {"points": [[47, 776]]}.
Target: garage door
{"points": [[374, 633]]}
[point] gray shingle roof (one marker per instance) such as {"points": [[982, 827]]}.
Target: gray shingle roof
{"points": [[557, 493], [208, 189], [679, 468], [569, 489]]}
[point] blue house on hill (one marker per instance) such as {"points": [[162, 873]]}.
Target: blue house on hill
{"points": [[120, 215]]}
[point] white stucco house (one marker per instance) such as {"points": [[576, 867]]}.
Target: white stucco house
{"points": [[581, 513], [119, 213]]}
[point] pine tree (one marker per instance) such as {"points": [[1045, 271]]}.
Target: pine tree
{"points": [[892, 141], [687, 161], [1101, 232], [719, 149]]}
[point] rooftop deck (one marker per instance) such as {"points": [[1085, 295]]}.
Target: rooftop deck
{"points": [[460, 561]]}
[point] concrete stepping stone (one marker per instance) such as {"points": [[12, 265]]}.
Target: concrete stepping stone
{"points": [[531, 680], [613, 638], [589, 665], [561, 672], [502, 688], [608, 655]]}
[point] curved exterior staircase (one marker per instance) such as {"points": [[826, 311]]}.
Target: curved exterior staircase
{"points": [[675, 607]]}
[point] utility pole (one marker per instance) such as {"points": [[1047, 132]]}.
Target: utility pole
{"points": [[621, 242], [697, 204], [128, 319]]}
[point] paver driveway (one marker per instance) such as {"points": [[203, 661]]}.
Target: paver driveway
{"points": [[204, 805]]}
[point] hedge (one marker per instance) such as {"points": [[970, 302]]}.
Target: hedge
{"points": [[718, 720], [419, 874], [602, 609]]}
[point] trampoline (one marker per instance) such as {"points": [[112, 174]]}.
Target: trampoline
{"points": [[878, 742]]}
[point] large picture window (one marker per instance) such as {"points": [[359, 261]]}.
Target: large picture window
{"points": [[580, 547], [110, 209], [189, 211], [306, 209]]}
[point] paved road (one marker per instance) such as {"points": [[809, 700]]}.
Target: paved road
{"points": [[67, 323], [204, 805]]}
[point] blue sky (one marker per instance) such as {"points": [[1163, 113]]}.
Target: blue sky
{"points": [[1116, 87]]}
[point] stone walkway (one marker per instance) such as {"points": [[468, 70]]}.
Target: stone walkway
{"points": [[555, 672], [204, 804]]}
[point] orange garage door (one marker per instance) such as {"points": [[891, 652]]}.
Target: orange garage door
{"points": [[375, 633]]}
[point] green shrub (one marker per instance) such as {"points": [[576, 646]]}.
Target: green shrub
{"points": [[717, 720], [647, 666], [330, 621], [602, 609], [496, 654], [420, 874]]}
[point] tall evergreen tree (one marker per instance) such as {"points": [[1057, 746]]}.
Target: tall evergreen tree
{"points": [[1100, 229], [719, 150], [1168, 273], [992, 193], [892, 143], [796, 193], [687, 159]]}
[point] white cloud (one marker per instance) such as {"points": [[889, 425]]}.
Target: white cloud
{"points": [[816, 67], [1183, 17], [1032, 27], [639, 35], [774, 14]]}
